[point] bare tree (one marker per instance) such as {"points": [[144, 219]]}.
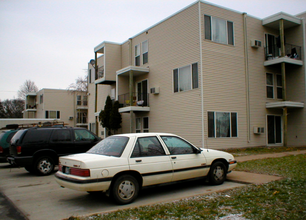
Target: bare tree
{"points": [[11, 108], [27, 87], [79, 85]]}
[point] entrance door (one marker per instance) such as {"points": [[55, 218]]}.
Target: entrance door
{"points": [[274, 129], [142, 92]]}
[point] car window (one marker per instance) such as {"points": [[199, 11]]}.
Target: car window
{"points": [[1, 135], [61, 136], [37, 136], [147, 147], [17, 136], [177, 145], [9, 137], [111, 146], [83, 135]]}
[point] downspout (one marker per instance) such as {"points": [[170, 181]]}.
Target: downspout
{"points": [[131, 85], [96, 94], [283, 71], [247, 80], [201, 74]]}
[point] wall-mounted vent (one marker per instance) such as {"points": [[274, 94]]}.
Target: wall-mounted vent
{"points": [[154, 90], [70, 118], [259, 130], [255, 43]]}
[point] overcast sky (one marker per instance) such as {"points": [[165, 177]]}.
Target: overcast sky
{"points": [[51, 41]]}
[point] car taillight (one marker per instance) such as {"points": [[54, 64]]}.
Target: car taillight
{"points": [[60, 167], [1, 150], [79, 172], [18, 148]]}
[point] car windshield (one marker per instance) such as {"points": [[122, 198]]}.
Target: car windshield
{"points": [[111, 146]]}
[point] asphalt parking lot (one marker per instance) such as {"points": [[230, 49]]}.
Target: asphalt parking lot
{"points": [[40, 197]]}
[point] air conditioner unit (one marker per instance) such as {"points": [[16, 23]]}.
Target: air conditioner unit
{"points": [[154, 90], [258, 130], [70, 117], [255, 43]]}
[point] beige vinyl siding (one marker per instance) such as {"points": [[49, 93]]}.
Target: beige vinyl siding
{"points": [[257, 81], [112, 60], [174, 43], [224, 77]]}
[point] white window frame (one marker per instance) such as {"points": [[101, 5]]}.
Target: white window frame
{"points": [[177, 75], [137, 54], [226, 31], [230, 124], [145, 51]]}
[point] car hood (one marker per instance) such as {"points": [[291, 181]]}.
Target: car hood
{"points": [[87, 160]]}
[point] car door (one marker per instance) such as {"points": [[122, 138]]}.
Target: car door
{"points": [[61, 141], [150, 160], [187, 161]]}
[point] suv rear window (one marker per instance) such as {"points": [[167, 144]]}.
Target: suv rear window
{"points": [[17, 136]]}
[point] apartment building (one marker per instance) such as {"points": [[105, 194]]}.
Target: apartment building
{"points": [[218, 77], [71, 107]]}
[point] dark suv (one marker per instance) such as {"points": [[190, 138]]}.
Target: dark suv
{"points": [[38, 149], [5, 139]]}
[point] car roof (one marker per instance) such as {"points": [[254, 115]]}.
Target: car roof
{"points": [[145, 134]]}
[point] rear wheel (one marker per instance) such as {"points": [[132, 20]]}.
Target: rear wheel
{"points": [[44, 165], [217, 173], [125, 189]]}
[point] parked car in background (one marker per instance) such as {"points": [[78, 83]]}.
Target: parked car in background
{"points": [[37, 149], [5, 138], [121, 165]]}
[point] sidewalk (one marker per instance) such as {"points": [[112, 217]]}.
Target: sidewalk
{"points": [[253, 178]]}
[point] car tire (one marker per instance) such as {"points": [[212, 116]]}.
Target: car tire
{"points": [[217, 173], [125, 189], [44, 166]]}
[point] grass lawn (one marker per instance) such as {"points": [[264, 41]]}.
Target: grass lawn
{"points": [[284, 199]]}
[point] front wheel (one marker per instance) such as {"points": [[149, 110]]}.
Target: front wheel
{"points": [[125, 189], [44, 166], [217, 173]]}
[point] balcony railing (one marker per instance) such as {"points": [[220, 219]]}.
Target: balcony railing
{"points": [[292, 51], [100, 73], [139, 99], [28, 106]]}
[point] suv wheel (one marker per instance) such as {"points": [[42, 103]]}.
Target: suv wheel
{"points": [[44, 165]]}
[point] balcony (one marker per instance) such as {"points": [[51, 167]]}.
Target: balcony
{"points": [[293, 55], [140, 102]]}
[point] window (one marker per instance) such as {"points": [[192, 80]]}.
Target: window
{"points": [[145, 52], [83, 135], [84, 100], [41, 99], [142, 125], [52, 114], [274, 84], [79, 100], [272, 49], [177, 145], [270, 85], [185, 78], [82, 117], [137, 55], [148, 147], [279, 85], [222, 124], [111, 146], [61, 136], [219, 30]]}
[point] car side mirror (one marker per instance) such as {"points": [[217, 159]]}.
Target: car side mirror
{"points": [[197, 151]]}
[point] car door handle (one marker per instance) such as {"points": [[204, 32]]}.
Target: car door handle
{"points": [[173, 157], [138, 161]]}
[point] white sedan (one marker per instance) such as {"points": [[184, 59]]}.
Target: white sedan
{"points": [[121, 165]]}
